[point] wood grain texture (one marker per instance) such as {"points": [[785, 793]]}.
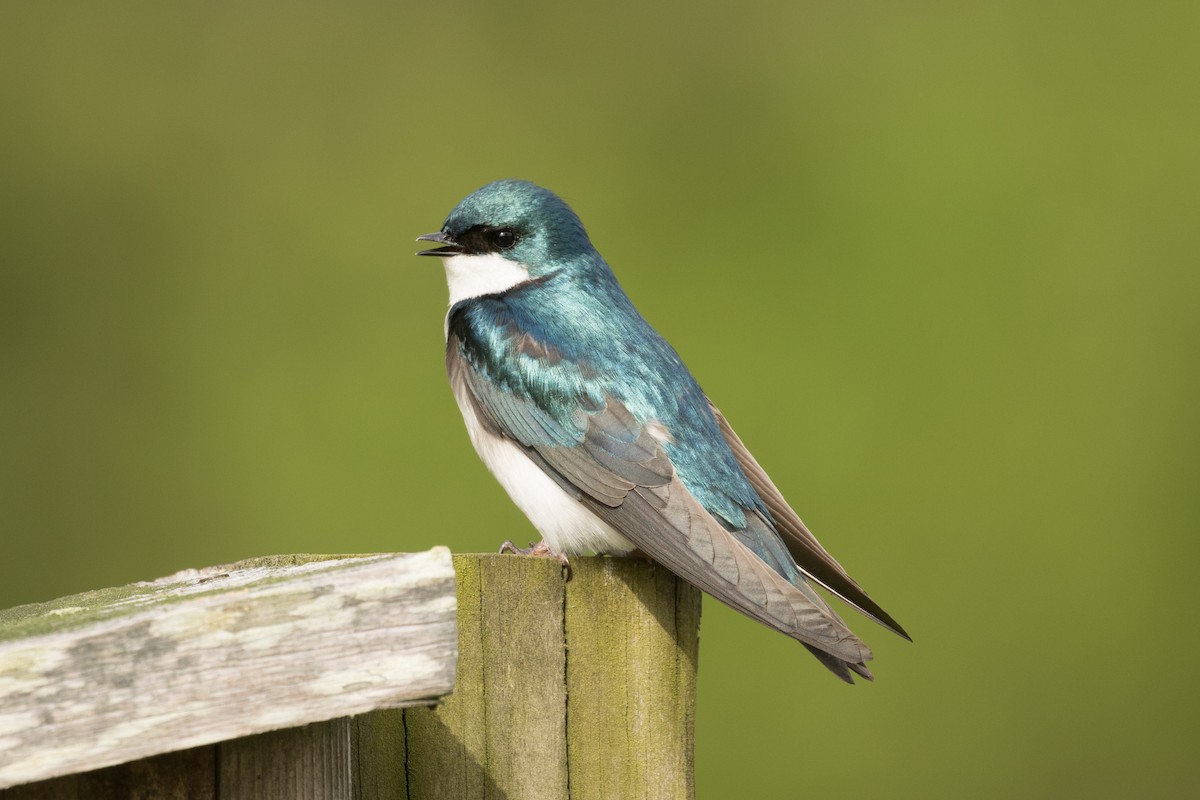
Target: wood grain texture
{"points": [[502, 732], [632, 645], [186, 775], [447, 745], [524, 680], [583, 688], [380, 755], [217, 654], [314, 762], [353, 757]]}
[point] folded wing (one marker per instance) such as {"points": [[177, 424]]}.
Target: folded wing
{"points": [[810, 556], [618, 467]]}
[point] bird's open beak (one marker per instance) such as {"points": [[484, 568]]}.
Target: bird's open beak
{"points": [[450, 248]]}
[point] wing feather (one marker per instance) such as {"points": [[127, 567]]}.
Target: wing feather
{"points": [[687, 540], [810, 556]]}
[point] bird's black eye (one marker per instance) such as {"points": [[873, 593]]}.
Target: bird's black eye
{"points": [[503, 238]]}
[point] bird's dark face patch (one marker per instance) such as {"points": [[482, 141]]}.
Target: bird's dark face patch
{"points": [[480, 239]]}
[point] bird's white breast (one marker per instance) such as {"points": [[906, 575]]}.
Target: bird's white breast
{"points": [[565, 524]]}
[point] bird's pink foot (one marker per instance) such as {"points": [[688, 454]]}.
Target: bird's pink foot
{"points": [[539, 549]]}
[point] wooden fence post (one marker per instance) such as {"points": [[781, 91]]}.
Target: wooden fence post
{"points": [[583, 688]]}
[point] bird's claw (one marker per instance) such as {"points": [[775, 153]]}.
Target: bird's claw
{"points": [[539, 549]]}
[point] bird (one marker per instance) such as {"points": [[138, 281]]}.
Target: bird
{"points": [[599, 433]]}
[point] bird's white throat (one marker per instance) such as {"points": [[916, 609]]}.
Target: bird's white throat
{"points": [[470, 276]]}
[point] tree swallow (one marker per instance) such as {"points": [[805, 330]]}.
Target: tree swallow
{"points": [[602, 437]]}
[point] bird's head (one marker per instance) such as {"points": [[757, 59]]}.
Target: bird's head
{"points": [[505, 234]]}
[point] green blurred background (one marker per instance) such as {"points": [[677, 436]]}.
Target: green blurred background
{"points": [[936, 261]]}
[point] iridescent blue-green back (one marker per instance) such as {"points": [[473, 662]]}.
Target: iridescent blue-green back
{"points": [[572, 337]]}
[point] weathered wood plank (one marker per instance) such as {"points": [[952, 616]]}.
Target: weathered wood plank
{"points": [[186, 775], [357, 757], [309, 763], [447, 745], [502, 732], [380, 756], [212, 655], [631, 632], [583, 688], [524, 679]]}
